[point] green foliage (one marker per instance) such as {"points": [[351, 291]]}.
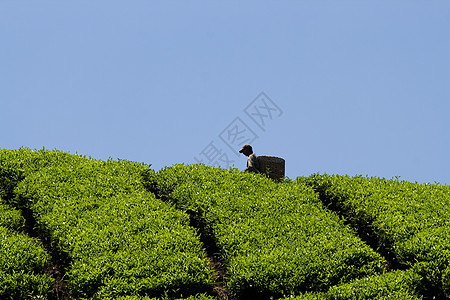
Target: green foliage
{"points": [[192, 297], [10, 218], [119, 239], [276, 238], [396, 209], [10, 174], [410, 220], [431, 248], [307, 296], [392, 285], [22, 261]]}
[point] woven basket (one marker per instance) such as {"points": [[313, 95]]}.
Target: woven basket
{"points": [[272, 166]]}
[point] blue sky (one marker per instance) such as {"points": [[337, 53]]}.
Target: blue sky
{"points": [[346, 87]]}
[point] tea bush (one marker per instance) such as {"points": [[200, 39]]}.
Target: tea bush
{"points": [[22, 260], [410, 220], [11, 218], [192, 297], [119, 239], [276, 239], [393, 285]]}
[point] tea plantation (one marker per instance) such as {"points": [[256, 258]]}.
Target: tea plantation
{"points": [[73, 227]]}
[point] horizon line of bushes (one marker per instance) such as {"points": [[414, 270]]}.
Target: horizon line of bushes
{"points": [[125, 231]]}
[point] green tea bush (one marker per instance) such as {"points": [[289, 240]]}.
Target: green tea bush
{"points": [[22, 262], [192, 297], [431, 248], [307, 296], [395, 209], [11, 218], [22, 259], [392, 285], [410, 220], [276, 238], [10, 174], [118, 238]]}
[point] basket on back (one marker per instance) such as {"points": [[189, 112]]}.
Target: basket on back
{"points": [[272, 166]]}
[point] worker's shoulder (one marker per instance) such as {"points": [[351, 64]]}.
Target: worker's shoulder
{"points": [[254, 159]]}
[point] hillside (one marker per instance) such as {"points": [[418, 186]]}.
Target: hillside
{"points": [[73, 227]]}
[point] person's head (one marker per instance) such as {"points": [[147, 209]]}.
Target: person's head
{"points": [[246, 150]]}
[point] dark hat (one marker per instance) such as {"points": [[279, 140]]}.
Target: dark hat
{"points": [[246, 146]]}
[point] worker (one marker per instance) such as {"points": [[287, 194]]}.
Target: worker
{"points": [[252, 162]]}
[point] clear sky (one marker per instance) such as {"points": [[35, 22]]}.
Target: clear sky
{"points": [[345, 87]]}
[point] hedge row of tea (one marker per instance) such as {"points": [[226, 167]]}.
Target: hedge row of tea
{"points": [[119, 239], [22, 259], [275, 238], [410, 220], [392, 285]]}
